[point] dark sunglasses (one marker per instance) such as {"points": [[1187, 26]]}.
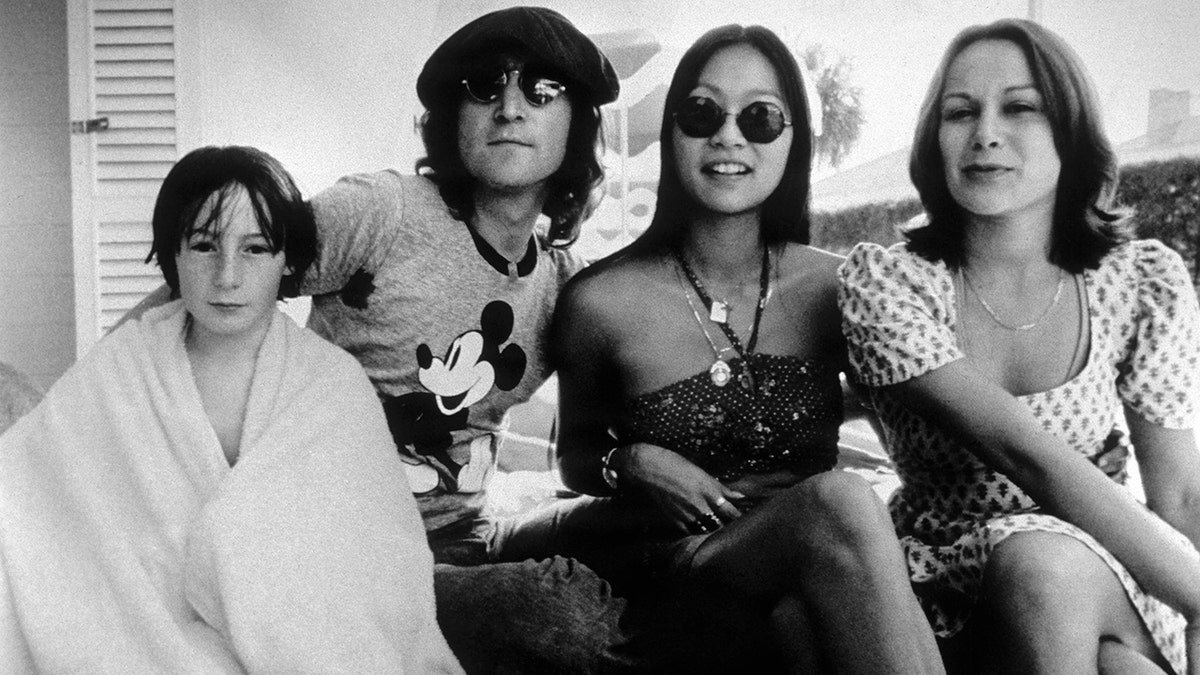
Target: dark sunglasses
{"points": [[488, 86], [759, 122]]}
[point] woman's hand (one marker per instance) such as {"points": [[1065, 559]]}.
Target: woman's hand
{"points": [[759, 487], [689, 497], [1113, 458]]}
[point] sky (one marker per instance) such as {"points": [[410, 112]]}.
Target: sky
{"points": [[1128, 46]]}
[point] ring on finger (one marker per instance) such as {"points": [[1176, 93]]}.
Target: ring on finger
{"points": [[721, 502]]}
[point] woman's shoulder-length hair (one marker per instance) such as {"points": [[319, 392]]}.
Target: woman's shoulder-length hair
{"points": [[1087, 222]]}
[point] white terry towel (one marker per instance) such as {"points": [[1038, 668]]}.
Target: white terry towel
{"points": [[129, 545]]}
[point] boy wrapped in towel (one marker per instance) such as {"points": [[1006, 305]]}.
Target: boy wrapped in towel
{"points": [[213, 489]]}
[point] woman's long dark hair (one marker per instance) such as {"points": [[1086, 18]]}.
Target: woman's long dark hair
{"points": [[1087, 224], [785, 212]]}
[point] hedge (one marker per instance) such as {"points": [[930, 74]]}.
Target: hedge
{"points": [[1165, 197], [839, 231]]}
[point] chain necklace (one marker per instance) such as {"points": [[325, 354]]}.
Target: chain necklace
{"points": [[719, 372], [966, 282], [720, 308], [722, 371]]}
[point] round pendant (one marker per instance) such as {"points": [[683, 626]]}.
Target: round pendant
{"points": [[720, 373]]}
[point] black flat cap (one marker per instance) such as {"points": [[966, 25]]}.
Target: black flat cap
{"points": [[539, 33]]}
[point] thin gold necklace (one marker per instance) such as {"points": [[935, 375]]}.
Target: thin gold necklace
{"points": [[966, 280]]}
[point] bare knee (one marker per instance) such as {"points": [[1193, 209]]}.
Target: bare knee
{"points": [[1051, 597], [1034, 573], [845, 504], [1047, 590], [837, 517]]}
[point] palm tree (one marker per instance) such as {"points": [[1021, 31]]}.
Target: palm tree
{"points": [[841, 103]]}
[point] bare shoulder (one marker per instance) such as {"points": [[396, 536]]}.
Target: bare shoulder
{"points": [[617, 292], [805, 321], [809, 269]]}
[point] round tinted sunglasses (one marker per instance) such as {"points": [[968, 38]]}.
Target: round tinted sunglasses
{"points": [[488, 87], [759, 122]]}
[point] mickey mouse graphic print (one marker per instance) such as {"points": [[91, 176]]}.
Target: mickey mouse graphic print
{"points": [[450, 337], [423, 422], [899, 316]]}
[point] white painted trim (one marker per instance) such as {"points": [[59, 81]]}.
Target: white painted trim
{"points": [[85, 248], [191, 69]]}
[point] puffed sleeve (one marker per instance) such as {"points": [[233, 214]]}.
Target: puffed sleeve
{"points": [[1159, 376], [897, 314]]}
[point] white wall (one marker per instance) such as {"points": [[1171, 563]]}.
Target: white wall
{"points": [[37, 334], [327, 88]]}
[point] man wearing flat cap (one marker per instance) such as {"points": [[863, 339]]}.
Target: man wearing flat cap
{"points": [[443, 283]]}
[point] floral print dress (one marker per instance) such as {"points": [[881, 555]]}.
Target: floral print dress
{"points": [[899, 314]]}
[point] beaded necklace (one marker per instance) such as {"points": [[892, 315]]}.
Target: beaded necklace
{"points": [[720, 371]]}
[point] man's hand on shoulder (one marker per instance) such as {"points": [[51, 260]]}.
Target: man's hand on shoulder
{"points": [[158, 297]]}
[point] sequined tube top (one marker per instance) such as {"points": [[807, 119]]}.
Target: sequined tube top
{"points": [[789, 421]]}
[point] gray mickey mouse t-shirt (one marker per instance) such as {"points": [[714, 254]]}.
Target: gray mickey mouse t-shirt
{"points": [[451, 335]]}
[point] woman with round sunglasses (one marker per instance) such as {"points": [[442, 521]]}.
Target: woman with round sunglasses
{"points": [[700, 398], [1035, 334]]}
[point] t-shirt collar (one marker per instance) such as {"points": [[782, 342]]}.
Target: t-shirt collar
{"points": [[503, 265]]}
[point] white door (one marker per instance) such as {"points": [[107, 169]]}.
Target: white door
{"points": [[122, 99]]}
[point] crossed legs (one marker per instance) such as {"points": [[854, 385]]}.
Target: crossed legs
{"points": [[824, 557]]}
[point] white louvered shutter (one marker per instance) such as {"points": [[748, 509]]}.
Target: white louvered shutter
{"points": [[131, 82]]}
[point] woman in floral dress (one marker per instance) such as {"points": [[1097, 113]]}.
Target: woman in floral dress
{"points": [[1009, 340]]}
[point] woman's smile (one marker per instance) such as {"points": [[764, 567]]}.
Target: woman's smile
{"points": [[726, 169]]}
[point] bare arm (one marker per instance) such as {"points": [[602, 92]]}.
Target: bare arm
{"points": [[587, 391], [1170, 464], [1170, 467], [1004, 435], [590, 395]]}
